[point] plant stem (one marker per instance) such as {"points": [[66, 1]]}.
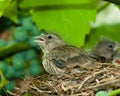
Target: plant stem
{"points": [[3, 81], [5, 51], [115, 92]]}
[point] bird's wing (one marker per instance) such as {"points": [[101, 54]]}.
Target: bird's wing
{"points": [[63, 55]]}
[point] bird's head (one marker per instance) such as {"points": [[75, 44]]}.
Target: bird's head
{"points": [[48, 41], [107, 48]]}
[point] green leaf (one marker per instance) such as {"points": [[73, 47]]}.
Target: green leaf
{"points": [[11, 11], [69, 18], [3, 81], [114, 92], [24, 3], [72, 25], [8, 8], [3, 5]]}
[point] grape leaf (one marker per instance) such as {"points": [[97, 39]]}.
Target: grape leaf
{"points": [[69, 18], [24, 3], [8, 8], [72, 25], [2, 6], [11, 11]]}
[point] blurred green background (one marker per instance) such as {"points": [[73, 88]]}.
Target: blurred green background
{"points": [[79, 22]]}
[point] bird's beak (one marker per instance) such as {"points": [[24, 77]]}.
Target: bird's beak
{"points": [[39, 39]]}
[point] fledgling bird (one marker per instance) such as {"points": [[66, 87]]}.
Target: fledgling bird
{"points": [[58, 56], [105, 50]]}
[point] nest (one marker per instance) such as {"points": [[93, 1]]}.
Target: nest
{"points": [[75, 83]]}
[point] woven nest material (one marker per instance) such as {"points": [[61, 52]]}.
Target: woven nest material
{"points": [[76, 83]]}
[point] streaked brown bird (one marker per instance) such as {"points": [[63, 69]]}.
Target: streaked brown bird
{"points": [[58, 56], [105, 50]]}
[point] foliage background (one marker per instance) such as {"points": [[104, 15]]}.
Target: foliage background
{"points": [[79, 22], [69, 18]]}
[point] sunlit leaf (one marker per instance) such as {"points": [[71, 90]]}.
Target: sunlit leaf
{"points": [[36, 3], [3, 6], [11, 11], [72, 25], [69, 18], [1, 13]]}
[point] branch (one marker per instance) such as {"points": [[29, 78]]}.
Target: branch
{"points": [[4, 51], [113, 1]]}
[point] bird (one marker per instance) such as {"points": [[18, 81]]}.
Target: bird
{"points": [[59, 56], [105, 50]]}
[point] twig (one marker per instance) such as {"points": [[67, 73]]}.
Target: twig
{"points": [[87, 78], [84, 81], [16, 88], [11, 93], [40, 91], [53, 87], [68, 87], [103, 84]]}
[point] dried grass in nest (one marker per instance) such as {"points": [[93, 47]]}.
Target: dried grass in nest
{"points": [[77, 83]]}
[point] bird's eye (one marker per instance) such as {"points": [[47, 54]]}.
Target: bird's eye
{"points": [[110, 46], [49, 37]]}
